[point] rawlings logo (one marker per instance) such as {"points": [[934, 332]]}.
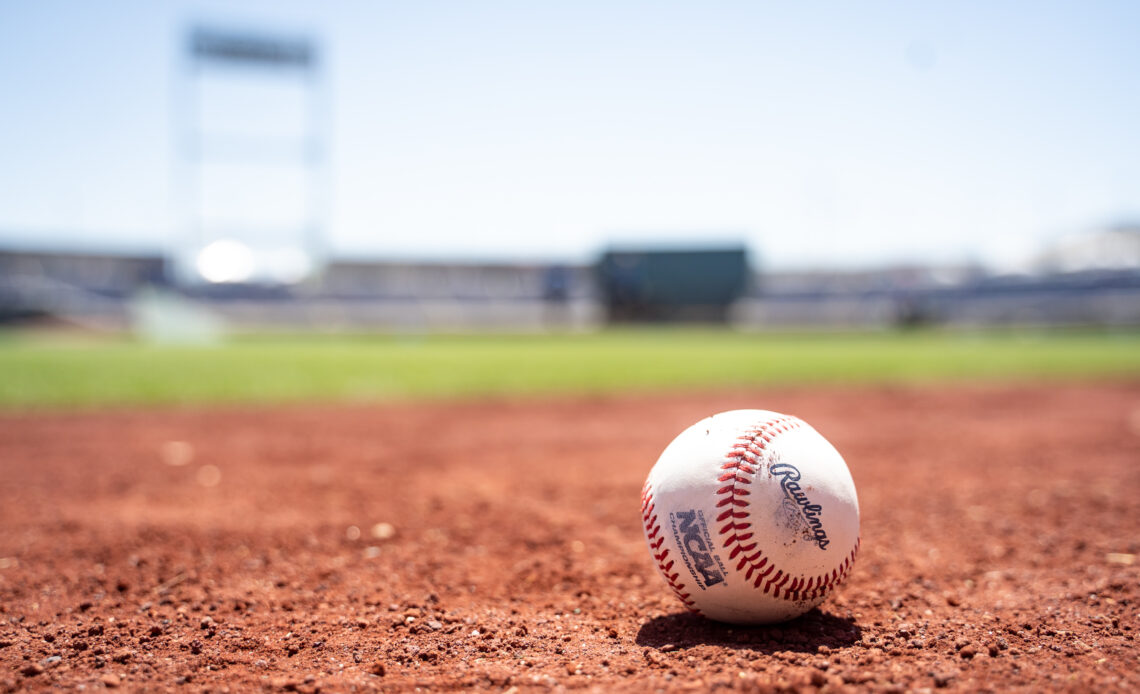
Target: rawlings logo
{"points": [[692, 536], [790, 482]]}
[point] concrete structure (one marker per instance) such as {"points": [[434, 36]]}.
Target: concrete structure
{"points": [[95, 290]]}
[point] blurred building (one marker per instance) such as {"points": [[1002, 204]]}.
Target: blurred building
{"points": [[93, 290], [97, 290], [951, 296], [1115, 248], [85, 288], [672, 285]]}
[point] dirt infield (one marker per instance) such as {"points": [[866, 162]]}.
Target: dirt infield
{"points": [[497, 546]]}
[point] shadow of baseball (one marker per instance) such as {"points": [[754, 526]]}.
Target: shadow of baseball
{"points": [[804, 634]]}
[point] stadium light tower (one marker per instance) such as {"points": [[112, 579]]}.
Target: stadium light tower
{"points": [[250, 138]]}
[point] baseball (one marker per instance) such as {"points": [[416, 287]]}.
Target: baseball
{"points": [[751, 517]]}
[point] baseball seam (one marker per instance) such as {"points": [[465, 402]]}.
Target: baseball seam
{"points": [[656, 538], [736, 474]]}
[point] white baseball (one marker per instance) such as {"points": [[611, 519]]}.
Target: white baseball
{"points": [[751, 517]]}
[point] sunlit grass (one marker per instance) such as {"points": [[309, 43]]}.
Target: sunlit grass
{"points": [[66, 373]]}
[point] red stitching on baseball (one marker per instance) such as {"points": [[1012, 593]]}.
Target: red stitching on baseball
{"points": [[745, 457], [653, 529]]}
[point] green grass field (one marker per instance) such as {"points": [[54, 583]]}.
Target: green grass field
{"points": [[37, 372]]}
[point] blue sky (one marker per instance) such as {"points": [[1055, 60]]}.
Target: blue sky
{"points": [[829, 134]]}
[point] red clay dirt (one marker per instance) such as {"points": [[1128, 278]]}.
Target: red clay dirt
{"points": [[498, 546]]}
